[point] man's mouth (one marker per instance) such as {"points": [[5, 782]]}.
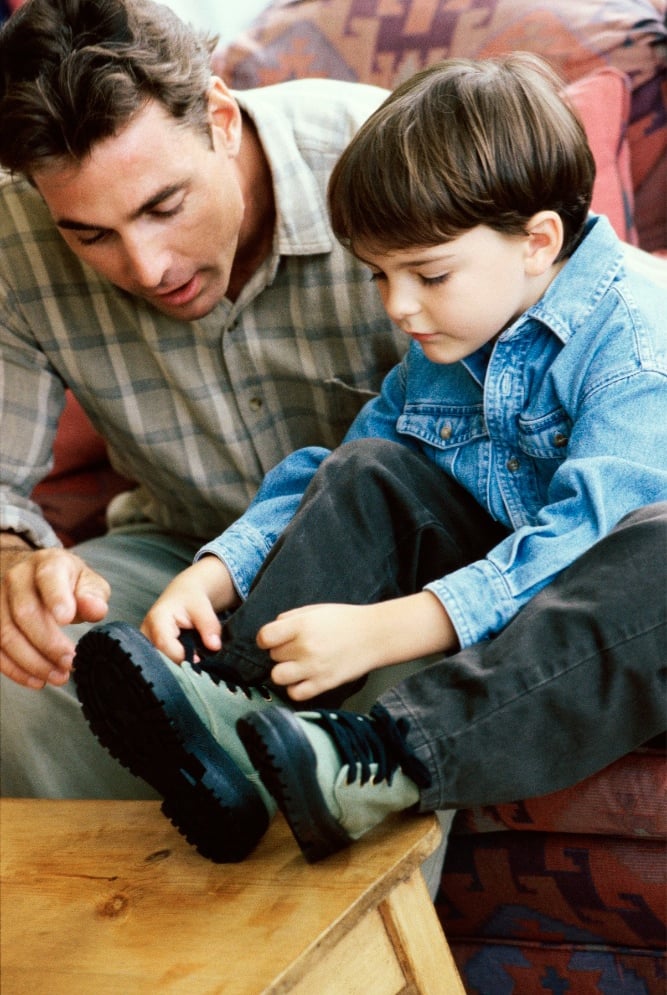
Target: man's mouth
{"points": [[181, 295]]}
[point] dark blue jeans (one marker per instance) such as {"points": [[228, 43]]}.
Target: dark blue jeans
{"points": [[577, 678]]}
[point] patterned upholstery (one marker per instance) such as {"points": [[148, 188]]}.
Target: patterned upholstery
{"points": [[564, 893]]}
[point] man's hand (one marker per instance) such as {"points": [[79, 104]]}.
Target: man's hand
{"points": [[42, 590]]}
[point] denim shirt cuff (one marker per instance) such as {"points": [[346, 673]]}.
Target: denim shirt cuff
{"points": [[243, 550], [477, 600]]}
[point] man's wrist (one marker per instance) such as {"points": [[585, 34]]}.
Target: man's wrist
{"points": [[10, 539]]}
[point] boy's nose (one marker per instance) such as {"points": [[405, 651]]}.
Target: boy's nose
{"points": [[401, 305]]}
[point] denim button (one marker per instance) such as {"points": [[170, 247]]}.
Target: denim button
{"points": [[560, 440], [513, 464]]}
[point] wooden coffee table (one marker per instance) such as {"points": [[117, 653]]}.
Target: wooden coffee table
{"points": [[105, 898]]}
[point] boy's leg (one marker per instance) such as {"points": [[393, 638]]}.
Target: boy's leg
{"points": [[47, 749], [574, 682], [378, 521]]}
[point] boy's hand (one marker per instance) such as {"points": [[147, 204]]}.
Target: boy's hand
{"points": [[191, 601], [319, 647]]}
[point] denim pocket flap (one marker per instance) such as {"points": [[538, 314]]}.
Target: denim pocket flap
{"points": [[546, 437], [443, 427]]}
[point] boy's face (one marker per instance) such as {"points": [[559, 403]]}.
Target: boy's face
{"points": [[155, 209], [454, 297]]}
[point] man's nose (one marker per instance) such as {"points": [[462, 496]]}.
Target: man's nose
{"points": [[146, 260]]}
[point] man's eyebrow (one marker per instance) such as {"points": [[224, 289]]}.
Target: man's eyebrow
{"points": [[149, 205]]}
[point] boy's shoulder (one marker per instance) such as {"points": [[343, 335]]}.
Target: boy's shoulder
{"points": [[646, 266]]}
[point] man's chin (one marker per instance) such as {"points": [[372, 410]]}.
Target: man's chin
{"points": [[186, 312], [189, 309]]}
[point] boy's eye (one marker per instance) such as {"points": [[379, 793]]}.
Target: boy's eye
{"points": [[433, 281], [376, 276]]}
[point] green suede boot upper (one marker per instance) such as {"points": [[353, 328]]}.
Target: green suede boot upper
{"points": [[220, 705], [334, 774]]}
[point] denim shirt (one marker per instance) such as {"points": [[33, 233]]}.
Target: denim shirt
{"points": [[558, 429]]}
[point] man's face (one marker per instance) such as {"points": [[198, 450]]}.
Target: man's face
{"points": [[155, 209]]}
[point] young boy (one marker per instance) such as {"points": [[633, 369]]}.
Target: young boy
{"points": [[497, 506]]}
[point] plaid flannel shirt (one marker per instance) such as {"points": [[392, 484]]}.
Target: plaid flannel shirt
{"points": [[195, 412]]}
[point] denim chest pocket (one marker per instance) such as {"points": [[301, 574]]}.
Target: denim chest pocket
{"points": [[546, 437], [442, 427]]}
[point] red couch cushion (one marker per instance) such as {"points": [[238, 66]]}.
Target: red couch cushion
{"points": [[75, 495]]}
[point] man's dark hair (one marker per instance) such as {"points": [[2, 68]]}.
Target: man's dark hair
{"points": [[74, 72]]}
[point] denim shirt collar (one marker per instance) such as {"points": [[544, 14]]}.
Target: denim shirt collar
{"points": [[577, 289]]}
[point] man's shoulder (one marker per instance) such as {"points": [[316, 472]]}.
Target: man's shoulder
{"points": [[315, 106], [23, 210]]}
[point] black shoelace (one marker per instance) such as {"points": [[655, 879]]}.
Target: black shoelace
{"points": [[221, 674], [376, 739]]}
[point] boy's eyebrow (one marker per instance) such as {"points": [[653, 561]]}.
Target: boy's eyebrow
{"points": [[417, 261], [71, 225]]}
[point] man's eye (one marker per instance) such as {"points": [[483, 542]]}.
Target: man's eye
{"points": [[92, 239], [167, 212]]}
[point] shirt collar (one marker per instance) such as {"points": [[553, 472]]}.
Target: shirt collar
{"points": [[577, 289], [301, 213]]}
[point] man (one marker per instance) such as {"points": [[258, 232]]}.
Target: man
{"points": [[166, 255]]}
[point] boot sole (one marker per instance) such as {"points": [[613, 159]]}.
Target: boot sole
{"points": [[286, 762], [139, 713]]}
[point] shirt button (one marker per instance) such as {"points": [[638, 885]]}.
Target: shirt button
{"points": [[513, 464], [560, 440], [446, 432], [256, 403]]}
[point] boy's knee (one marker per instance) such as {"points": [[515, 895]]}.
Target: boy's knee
{"points": [[651, 517], [365, 456]]}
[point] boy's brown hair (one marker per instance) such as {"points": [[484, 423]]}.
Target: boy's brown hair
{"points": [[74, 72], [460, 144]]}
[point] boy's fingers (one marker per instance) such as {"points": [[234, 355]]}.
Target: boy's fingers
{"points": [[274, 634], [288, 673]]}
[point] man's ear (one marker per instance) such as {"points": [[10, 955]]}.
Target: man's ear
{"points": [[544, 242], [224, 115]]}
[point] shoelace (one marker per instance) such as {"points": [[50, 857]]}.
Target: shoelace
{"points": [[376, 739], [221, 674]]}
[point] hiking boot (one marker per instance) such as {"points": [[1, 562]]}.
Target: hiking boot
{"points": [[175, 727], [334, 774]]}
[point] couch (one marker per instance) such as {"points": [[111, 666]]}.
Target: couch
{"points": [[565, 893]]}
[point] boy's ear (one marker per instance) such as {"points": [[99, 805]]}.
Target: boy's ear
{"points": [[544, 242], [224, 116]]}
